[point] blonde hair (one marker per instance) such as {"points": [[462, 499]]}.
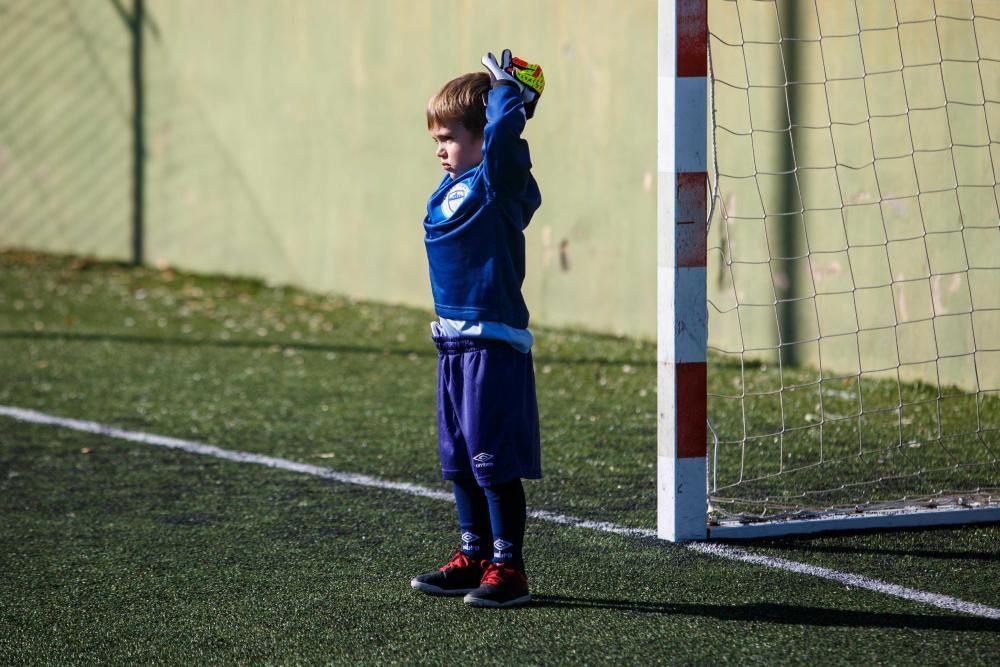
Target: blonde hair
{"points": [[462, 99]]}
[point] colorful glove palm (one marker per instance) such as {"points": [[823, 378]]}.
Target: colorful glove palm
{"points": [[526, 76]]}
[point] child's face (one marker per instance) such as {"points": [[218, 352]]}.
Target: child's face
{"points": [[457, 148]]}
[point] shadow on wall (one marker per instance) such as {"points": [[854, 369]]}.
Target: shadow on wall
{"points": [[77, 110], [65, 146]]}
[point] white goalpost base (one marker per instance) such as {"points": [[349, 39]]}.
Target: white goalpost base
{"points": [[681, 498], [886, 519]]}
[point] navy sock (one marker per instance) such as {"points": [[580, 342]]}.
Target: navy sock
{"points": [[508, 513], [473, 518]]}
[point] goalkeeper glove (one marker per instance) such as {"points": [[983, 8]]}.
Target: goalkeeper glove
{"points": [[527, 77]]}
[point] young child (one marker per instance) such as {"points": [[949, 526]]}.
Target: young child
{"points": [[488, 436]]}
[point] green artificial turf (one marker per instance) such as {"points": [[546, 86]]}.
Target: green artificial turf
{"points": [[117, 552]]}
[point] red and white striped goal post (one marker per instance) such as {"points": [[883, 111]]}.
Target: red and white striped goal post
{"points": [[682, 326]]}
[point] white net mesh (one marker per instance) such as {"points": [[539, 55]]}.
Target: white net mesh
{"points": [[854, 255]]}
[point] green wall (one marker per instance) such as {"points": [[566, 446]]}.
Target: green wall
{"points": [[287, 140]]}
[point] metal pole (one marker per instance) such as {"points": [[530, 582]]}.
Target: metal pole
{"points": [[790, 216], [138, 134]]}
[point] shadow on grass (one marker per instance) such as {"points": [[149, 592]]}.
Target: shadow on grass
{"points": [[428, 351], [855, 549], [778, 613], [807, 545]]}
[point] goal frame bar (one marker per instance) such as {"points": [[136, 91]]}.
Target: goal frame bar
{"points": [[882, 519], [682, 307], [682, 311]]}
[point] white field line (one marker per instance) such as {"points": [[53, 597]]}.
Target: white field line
{"points": [[855, 580], [723, 551], [219, 453]]}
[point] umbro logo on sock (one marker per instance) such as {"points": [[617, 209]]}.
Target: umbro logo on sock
{"points": [[501, 546], [469, 541], [483, 460]]}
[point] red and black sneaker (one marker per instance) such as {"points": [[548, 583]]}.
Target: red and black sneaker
{"points": [[501, 586], [458, 576]]}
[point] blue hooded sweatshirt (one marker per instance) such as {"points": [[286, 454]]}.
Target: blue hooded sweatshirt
{"points": [[474, 228]]}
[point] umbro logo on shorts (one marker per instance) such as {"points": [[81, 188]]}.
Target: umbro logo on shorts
{"points": [[483, 460]]}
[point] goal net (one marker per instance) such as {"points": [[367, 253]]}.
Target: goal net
{"points": [[853, 260]]}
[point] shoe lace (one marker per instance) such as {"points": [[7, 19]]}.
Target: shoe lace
{"points": [[496, 573], [459, 560]]}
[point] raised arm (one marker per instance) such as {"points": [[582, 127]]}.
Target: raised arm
{"points": [[505, 153]]}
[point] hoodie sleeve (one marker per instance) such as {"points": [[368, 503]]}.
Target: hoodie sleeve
{"points": [[505, 153]]}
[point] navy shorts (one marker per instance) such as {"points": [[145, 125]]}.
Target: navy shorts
{"points": [[487, 411]]}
